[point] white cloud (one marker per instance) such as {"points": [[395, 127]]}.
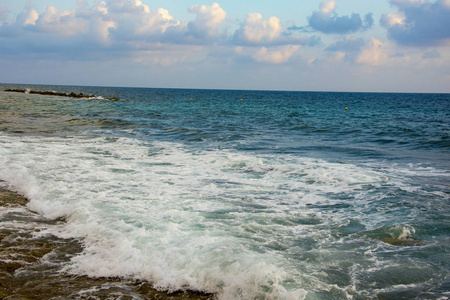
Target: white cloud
{"points": [[100, 30], [327, 7], [208, 18], [128, 7], [28, 17], [392, 19], [256, 29], [62, 23], [156, 21], [101, 7], [134, 21]]}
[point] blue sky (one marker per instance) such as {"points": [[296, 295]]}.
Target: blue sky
{"points": [[314, 45]]}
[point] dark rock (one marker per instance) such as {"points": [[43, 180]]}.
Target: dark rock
{"points": [[404, 242], [48, 93]]}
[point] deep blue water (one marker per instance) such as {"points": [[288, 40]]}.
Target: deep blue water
{"points": [[246, 194], [298, 122]]}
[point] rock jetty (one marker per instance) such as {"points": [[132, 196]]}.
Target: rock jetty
{"points": [[49, 93]]}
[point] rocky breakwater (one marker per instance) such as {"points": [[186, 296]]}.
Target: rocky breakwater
{"points": [[70, 95]]}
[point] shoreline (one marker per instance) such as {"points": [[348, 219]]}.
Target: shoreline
{"points": [[31, 263]]}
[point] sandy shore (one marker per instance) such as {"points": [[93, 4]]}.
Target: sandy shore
{"points": [[30, 262]]}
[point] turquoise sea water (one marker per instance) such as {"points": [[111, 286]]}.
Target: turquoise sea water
{"points": [[244, 194]]}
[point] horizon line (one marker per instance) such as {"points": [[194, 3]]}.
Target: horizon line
{"points": [[222, 89]]}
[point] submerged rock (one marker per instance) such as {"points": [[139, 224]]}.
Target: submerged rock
{"points": [[403, 242]]}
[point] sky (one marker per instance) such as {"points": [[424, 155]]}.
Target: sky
{"points": [[298, 45]]}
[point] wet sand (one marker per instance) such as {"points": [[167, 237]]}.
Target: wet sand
{"points": [[31, 262]]}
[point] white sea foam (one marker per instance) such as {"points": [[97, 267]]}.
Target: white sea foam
{"points": [[213, 221]]}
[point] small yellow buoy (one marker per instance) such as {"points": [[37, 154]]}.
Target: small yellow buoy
{"points": [[346, 108]]}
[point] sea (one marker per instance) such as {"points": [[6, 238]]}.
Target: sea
{"points": [[238, 194]]}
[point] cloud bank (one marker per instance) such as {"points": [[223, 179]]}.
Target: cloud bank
{"points": [[111, 38], [327, 21], [121, 26], [418, 22], [118, 21]]}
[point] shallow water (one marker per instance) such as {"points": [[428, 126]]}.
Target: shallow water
{"points": [[282, 195]]}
